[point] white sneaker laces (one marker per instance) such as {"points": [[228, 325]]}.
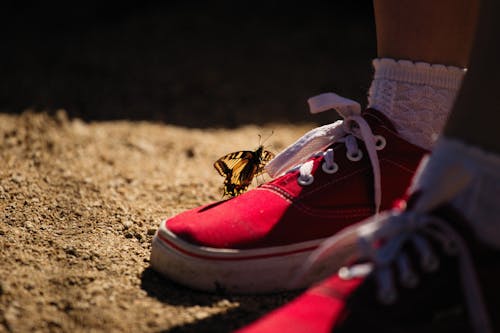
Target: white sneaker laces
{"points": [[380, 242], [313, 144]]}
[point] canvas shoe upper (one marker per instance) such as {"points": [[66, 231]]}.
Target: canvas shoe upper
{"points": [[419, 269], [253, 242]]}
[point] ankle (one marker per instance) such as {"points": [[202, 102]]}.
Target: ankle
{"points": [[417, 97]]}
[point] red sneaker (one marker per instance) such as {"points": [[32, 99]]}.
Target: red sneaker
{"points": [[254, 242], [417, 270]]}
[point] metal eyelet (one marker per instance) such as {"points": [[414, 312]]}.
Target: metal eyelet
{"points": [[360, 270], [380, 142], [345, 273], [355, 157], [334, 168], [306, 180]]}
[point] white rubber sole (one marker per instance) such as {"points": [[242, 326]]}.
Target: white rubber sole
{"points": [[254, 271]]}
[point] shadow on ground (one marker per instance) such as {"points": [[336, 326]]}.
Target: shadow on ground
{"points": [[249, 309], [227, 322], [170, 292], [190, 63]]}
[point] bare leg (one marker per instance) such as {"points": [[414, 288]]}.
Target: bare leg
{"points": [[433, 31], [426, 45], [475, 118]]}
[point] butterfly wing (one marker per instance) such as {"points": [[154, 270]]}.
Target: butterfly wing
{"points": [[239, 169], [227, 163], [264, 159], [244, 170]]}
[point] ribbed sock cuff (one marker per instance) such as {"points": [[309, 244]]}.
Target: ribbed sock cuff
{"points": [[416, 96], [406, 71]]}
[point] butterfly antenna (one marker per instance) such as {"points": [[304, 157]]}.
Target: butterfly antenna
{"points": [[261, 142], [267, 138]]}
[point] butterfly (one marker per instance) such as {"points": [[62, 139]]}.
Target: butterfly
{"points": [[239, 169]]}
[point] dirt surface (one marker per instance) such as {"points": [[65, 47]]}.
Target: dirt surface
{"points": [[154, 93], [79, 203]]}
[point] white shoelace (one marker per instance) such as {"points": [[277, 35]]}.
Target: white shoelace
{"points": [[380, 241], [317, 140]]}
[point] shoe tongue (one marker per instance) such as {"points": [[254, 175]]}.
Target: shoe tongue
{"points": [[377, 118]]}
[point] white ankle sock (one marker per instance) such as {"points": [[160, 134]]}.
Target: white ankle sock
{"points": [[479, 201], [417, 97]]}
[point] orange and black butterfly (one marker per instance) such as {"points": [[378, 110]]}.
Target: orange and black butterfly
{"points": [[239, 169]]}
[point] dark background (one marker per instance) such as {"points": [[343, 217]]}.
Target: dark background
{"points": [[190, 63]]}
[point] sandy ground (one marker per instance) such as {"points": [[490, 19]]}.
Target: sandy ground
{"points": [[81, 200], [79, 204]]}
